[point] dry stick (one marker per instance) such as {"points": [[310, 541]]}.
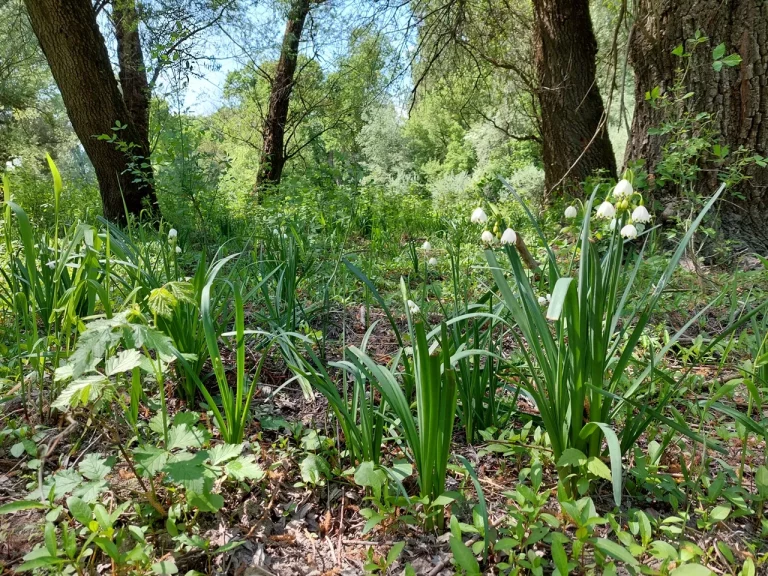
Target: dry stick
{"points": [[48, 449], [340, 543], [525, 254]]}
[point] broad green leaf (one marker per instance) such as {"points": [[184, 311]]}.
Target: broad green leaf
{"points": [[572, 457], [369, 476], [464, 558], [720, 513], [394, 552], [691, 570], [314, 468], [223, 452], [184, 436], [718, 52], [94, 467], [80, 392], [187, 470], [165, 567], [244, 468], [206, 502], [123, 361], [79, 510], [151, 459], [598, 468]]}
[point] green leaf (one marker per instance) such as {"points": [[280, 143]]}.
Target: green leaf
{"points": [[598, 468], [558, 553], [187, 470], [761, 479], [732, 60], [394, 552], [314, 468], [691, 570], [463, 557], [94, 467], [123, 361], [184, 436], [80, 392], [206, 502], [369, 476], [615, 551], [718, 52], [79, 510], [678, 51], [20, 505], [663, 550], [223, 452], [151, 459], [244, 468], [720, 513], [165, 567], [571, 457]]}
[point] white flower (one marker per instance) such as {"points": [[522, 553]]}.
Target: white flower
{"points": [[16, 162], [606, 210], [432, 261], [542, 301], [571, 212], [487, 237], [276, 232], [412, 307], [549, 297], [426, 245], [509, 236], [623, 189], [172, 233], [613, 224], [51, 264], [629, 232], [478, 216], [640, 214], [9, 166], [178, 249]]}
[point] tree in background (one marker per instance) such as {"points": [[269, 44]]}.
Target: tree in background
{"points": [[77, 55], [273, 152], [573, 132], [730, 92]]}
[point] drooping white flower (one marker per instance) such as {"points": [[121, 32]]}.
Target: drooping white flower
{"points": [[487, 237], [9, 166], [640, 214], [172, 234], [16, 162], [178, 249], [606, 210], [432, 261], [623, 189], [571, 212], [479, 216], [414, 309], [509, 236], [629, 232], [51, 264], [426, 245], [542, 301]]}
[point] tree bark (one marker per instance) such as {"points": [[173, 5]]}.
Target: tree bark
{"points": [[273, 148], [77, 56], [736, 97], [133, 72], [575, 142]]}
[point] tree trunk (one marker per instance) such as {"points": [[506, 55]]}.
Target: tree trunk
{"points": [[77, 55], [736, 97], [575, 143], [273, 151], [133, 73]]}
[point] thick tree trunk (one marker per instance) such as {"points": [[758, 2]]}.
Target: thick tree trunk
{"points": [[133, 73], [77, 55], [273, 152], [575, 143], [736, 97]]}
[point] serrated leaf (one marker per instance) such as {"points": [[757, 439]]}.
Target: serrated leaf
{"points": [[90, 491], [184, 436], [244, 468], [205, 502], [187, 470], [80, 392], [123, 361], [572, 457], [94, 467], [162, 302], [223, 452], [151, 459], [598, 468]]}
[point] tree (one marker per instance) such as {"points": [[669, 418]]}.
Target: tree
{"points": [[77, 56], [735, 99], [273, 152], [575, 141]]}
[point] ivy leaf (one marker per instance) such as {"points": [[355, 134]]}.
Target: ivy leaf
{"points": [[123, 361], [244, 468], [223, 452], [187, 470], [94, 467], [81, 392]]}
